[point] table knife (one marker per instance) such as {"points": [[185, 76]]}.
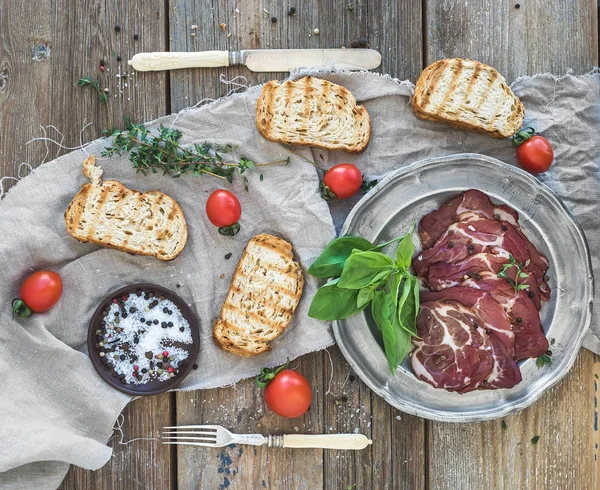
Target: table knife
{"points": [[259, 59]]}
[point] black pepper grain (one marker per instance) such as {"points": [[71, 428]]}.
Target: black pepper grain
{"points": [[292, 11], [531, 294], [117, 28], [195, 366], [136, 37], [102, 62], [504, 228], [182, 329], [273, 20], [519, 320], [450, 244]]}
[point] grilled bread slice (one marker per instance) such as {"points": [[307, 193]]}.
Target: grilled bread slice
{"points": [[109, 214], [262, 297], [469, 95], [312, 112]]}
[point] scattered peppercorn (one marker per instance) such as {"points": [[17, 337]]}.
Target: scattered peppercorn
{"points": [[195, 366], [316, 32], [117, 28], [450, 244], [292, 11], [518, 6], [359, 43], [273, 20], [136, 37], [504, 228], [118, 58]]}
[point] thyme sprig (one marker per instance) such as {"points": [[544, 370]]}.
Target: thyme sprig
{"points": [[163, 152], [102, 95], [518, 274]]}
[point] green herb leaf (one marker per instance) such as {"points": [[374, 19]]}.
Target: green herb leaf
{"points": [[535, 439], [503, 425], [396, 341], [405, 250], [408, 305], [331, 261], [334, 303], [381, 309], [365, 295], [364, 268]]}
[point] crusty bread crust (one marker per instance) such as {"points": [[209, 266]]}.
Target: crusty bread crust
{"points": [[312, 112], [108, 213], [263, 295], [468, 95]]}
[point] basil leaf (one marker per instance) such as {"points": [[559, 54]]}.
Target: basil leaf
{"points": [[334, 303], [408, 305], [364, 268], [396, 341], [331, 261], [405, 250], [380, 308], [365, 295], [395, 282]]}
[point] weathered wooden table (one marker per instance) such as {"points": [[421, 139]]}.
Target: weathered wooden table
{"points": [[47, 45]]}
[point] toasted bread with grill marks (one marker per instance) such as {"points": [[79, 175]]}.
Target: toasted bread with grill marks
{"points": [[109, 214], [312, 112], [263, 295], [468, 95]]}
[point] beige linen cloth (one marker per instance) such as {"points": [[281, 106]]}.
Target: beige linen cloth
{"points": [[56, 411]]}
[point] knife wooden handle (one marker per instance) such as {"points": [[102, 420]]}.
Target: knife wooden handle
{"points": [[327, 441], [174, 61]]}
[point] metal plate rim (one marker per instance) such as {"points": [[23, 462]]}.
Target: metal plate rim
{"points": [[572, 355]]}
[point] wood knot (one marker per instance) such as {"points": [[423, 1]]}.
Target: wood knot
{"points": [[3, 79], [41, 51]]}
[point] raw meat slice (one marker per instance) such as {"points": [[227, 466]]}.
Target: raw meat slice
{"points": [[492, 315], [530, 340], [466, 238], [442, 275], [505, 371], [449, 352], [433, 225]]}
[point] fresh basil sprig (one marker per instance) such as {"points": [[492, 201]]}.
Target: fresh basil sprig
{"points": [[363, 275]]}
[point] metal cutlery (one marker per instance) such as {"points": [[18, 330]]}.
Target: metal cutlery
{"points": [[217, 436], [259, 59]]}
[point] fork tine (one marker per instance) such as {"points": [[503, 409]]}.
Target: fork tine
{"points": [[190, 438], [196, 432], [209, 427], [204, 444]]}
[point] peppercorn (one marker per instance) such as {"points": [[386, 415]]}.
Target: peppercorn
{"points": [[519, 319], [148, 355], [182, 329], [531, 294], [155, 322], [136, 37], [144, 370], [273, 20], [504, 228], [292, 11], [143, 320], [195, 366], [118, 58], [171, 369], [170, 324], [122, 357], [159, 364], [165, 309], [149, 323], [117, 28], [159, 372], [517, 5], [102, 354], [450, 244]]}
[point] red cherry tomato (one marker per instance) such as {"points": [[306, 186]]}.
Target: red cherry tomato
{"points": [[344, 180], [288, 394], [534, 153], [223, 208], [41, 291]]}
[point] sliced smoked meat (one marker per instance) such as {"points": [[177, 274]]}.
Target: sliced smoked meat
{"points": [[492, 315]]}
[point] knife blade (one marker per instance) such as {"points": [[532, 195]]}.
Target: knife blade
{"points": [[260, 60]]}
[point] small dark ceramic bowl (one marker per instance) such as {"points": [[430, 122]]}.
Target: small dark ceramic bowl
{"points": [[152, 387]]}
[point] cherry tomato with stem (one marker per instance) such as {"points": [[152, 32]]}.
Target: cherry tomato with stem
{"points": [[287, 392], [341, 181], [534, 152], [40, 292], [224, 211]]}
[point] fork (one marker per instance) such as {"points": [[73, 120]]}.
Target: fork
{"points": [[217, 436]]}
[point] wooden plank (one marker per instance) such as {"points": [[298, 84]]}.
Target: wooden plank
{"points": [[488, 456], [392, 27], [45, 47], [539, 36], [396, 458], [241, 408], [395, 29], [137, 464]]}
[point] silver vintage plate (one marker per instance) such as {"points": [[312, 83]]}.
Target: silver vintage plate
{"points": [[407, 194]]}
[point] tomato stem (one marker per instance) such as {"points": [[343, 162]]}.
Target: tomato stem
{"points": [[230, 230], [522, 136], [267, 375], [19, 308]]}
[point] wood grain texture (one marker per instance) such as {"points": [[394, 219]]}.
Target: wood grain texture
{"points": [[242, 409], [139, 464], [540, 36], [390, 26]]}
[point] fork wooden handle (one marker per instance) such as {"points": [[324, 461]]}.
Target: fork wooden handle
{"points": [[327, 441]]}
